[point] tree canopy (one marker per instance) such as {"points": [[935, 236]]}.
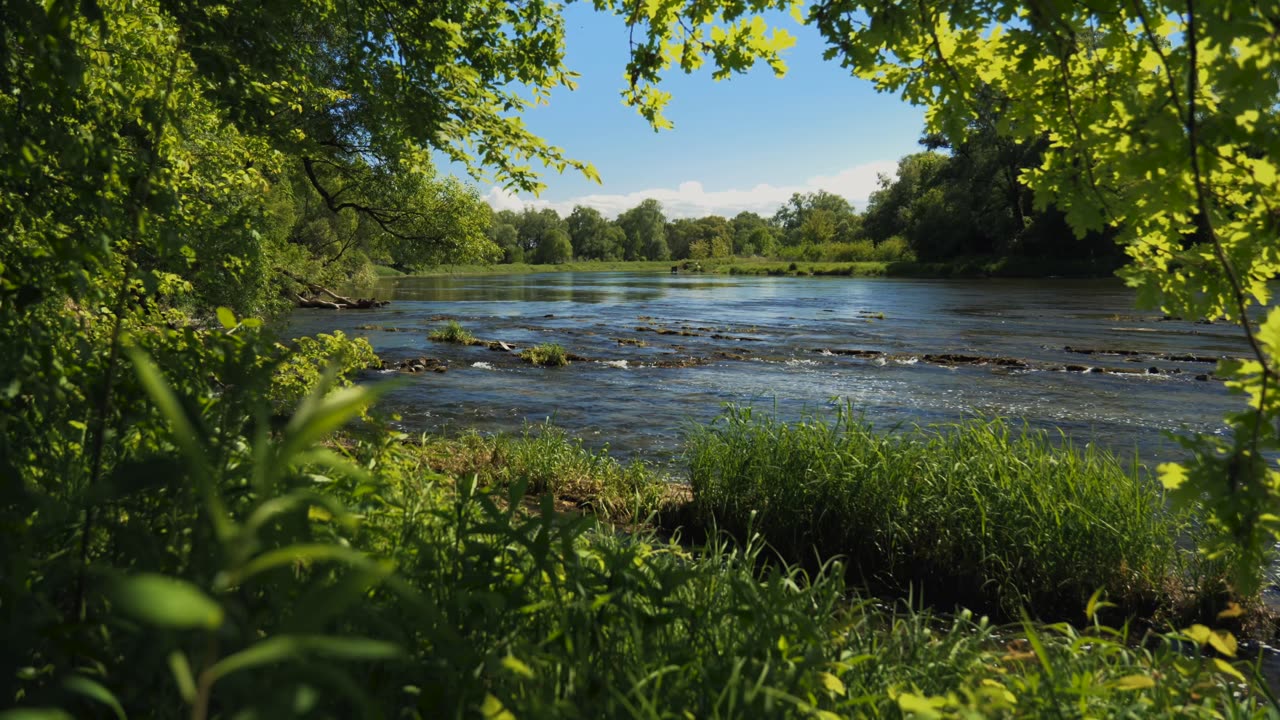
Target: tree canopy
{"points": [[1161, 126]]}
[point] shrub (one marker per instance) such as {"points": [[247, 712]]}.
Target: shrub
{"points": [[306, 358], [545, 355], [894, 249], [453, 332]]}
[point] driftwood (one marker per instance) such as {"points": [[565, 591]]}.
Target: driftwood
{"points": [[337, 302], [341, 303]]}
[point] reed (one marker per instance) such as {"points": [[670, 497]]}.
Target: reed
{"points": [[978, 512]]}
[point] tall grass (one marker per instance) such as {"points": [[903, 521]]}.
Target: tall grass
{"points": [[453, 332], [545, 355], [978, 512], [550, 617], [544, 459]]}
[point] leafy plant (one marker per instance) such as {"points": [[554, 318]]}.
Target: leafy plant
{"points": [[453, 332], [545, 355]]}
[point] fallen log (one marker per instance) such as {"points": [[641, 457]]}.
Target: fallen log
{"points": [[337, 302], [345, 304]]}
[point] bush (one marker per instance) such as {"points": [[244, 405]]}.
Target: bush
{"points": [[894, 249], [453, 332], [307, 357], [545, 355]]}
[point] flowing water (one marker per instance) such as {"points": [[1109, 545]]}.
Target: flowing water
{"points": [[900, 351]]}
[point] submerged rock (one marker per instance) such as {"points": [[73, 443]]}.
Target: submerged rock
{"points": [[416, 365]]}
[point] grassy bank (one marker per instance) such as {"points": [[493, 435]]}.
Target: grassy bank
{"points": [[980, 513], [544, 460], [530, 268], [546, 614], [974, 267], [1011, 267]]}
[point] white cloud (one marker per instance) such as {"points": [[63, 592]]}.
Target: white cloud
{"points": [[691, 199]]}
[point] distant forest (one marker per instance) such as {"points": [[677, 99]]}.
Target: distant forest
{"points": [[946, 202]]}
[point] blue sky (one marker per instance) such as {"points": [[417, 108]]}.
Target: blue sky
{"points": [[746, 143]]}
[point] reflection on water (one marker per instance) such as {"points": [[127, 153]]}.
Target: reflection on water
{"points": [[665, 350]]}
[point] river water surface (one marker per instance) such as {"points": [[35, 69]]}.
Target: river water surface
{"points": [[899, 351]]}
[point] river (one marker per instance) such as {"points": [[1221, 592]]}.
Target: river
{"points": [[898, 350]]}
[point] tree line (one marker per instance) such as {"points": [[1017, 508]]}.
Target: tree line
{"points": [[948, 201]]}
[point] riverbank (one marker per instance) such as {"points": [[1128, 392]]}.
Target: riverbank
{"points": [[987, 515], [560, 561], [973, 267]]}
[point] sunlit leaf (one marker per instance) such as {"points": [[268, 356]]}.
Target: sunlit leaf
{"points": [[493, 709], [1135, 682], [1227, 669], [517, 666], [831, 683], [226, 317]]}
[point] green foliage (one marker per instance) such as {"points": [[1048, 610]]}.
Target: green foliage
{"points": [[453, 332], [543, 459], [816, 218], [977, 512], [554, 248], [753, 235], [593, 237], [505, 235], [307, 359], [545, 355], [1161, 129], [645, 229], [177, 543]]}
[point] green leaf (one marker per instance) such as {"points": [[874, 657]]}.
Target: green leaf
{"points": [[517, 666], [94, 690], [493, 709], [301, 553], [920, 706], [164, 601], [281, 648], [1224, 642], [1135, 682], [226, 317], [831, 683], [186, 437], [320, 414], [295, 500], [1227, 669], [181, 670], [1198, 634], [1095, 604]]}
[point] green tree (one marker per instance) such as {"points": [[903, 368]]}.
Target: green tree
{"points": [[752, 235], [554, 248], [1162, 127], [535, 225], [507, 239], [816, 218], [612, 242], [913, 205], [681, 234], [588, 231], [646, 234]]}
